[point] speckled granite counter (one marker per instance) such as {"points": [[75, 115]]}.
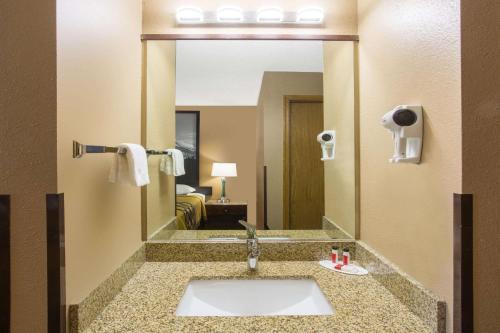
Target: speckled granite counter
{"points": [[148, 302], [329, 231], [167, 234]]}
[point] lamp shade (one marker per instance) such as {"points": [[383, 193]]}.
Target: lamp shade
{"points": [[224, 170]]}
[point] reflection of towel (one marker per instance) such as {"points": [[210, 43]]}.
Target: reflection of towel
{"points": [[173, 164], [131, 167]]}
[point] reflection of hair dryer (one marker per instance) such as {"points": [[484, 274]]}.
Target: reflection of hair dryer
{"points": [[327, 141], [405, 122]]}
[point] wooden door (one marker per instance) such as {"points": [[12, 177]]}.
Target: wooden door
{"points": [[304, 197]]}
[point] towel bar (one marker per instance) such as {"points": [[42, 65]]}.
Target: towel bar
{"points": [[80, 149]]}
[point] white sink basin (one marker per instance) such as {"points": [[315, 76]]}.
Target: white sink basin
{"points": [[253, 298]]}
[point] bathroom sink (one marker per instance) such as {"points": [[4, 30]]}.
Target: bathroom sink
{"points": [[253, 298]]}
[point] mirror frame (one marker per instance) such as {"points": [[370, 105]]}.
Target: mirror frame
{"points": [[277, 37], [343, 38]]}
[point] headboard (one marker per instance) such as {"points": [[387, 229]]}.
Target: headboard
{"points": [[207, 190]]}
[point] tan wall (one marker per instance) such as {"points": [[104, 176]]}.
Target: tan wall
{"points": [[99, 102], [341, 115], [481, 161], [409, 53], [227, 134], [340, 16], [28, 161], [276, 85], [158, 131]]}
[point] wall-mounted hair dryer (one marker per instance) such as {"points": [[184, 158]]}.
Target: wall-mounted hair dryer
{"points": [[406, 124], [327, 140]]}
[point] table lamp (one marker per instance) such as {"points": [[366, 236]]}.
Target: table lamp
{"points": [[224, 170]]}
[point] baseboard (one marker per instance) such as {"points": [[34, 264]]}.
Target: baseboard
{"points": [[171, 225], [334, 230], [210, 251], [428, 307], [82, 314]]}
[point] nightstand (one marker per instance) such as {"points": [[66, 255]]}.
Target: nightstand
{"points": [[225, 216]]}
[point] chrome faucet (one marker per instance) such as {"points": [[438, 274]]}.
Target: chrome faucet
{"points": [[252, 246]]}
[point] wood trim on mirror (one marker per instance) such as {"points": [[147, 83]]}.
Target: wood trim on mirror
{"points": [[352, 38]]}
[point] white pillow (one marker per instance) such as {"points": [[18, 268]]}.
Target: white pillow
{"points": [[183, 189]]}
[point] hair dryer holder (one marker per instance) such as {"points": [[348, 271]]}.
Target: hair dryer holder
{"points": [[328, 142], [406, 125]]}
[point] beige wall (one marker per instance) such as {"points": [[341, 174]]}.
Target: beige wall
{"points": [[276, 85], [158, 131], [481, 140], [99, 102], [409, 53], [402, 60], [28, 161], [227, 134], [341, 115], [340, 16]]}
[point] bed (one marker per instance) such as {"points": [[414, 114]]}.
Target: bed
{"points": [[190, 211]]}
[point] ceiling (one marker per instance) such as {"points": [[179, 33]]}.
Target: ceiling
{"points": [[229, 73]]}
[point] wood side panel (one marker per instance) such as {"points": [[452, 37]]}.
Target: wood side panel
{"points": [[5, 263], [249, 37], [463, 320], [56, 280]]}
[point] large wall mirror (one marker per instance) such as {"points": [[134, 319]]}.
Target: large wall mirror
{"points": [[246, 115]]}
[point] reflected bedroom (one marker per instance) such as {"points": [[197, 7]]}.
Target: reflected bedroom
{"points": [[255, 140]]}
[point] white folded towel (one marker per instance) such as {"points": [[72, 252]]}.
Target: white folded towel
{"points": [[173, 164], [131, 167]]}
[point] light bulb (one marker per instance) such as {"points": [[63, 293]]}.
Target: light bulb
{"points": [[311, 15], [270, 15], [189, 15], [229, 15]]}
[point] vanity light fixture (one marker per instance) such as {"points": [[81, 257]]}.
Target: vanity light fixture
{"points": [[270, 15], [229, 15], [310, 15], [188, 15]]}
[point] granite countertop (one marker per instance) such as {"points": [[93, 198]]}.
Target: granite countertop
{"points": [[148, 302], [208, 234]]}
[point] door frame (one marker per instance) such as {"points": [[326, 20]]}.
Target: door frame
{"points": [[287, 100]]}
